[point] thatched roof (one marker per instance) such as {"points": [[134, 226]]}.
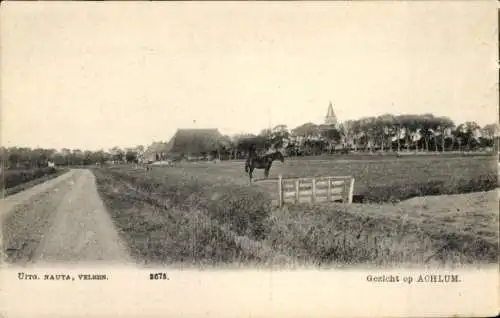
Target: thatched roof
{"points": [[190, 142], [195, 141]]}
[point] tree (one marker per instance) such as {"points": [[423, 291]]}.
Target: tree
{"points": [[306, 130], [383, 129], [458, 137], [411, 129], [266, 132], [237, 144], [117, 154], [489, 131], [279, 137], [139, 149], [356, 133], [465, 135], [131, 156], [367, 127], [347, 131], [77, 157], [250, 143], [331, 135], [399, 127], [444, 125], [489, 135], [427, 126], [265, 138], [14, 157]]}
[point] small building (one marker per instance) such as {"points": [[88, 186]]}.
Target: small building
{"points": [[155, 152]]}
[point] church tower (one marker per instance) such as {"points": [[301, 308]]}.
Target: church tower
{"points": [[330, 118]]}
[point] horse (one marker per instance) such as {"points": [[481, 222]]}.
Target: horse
{"points": [[262, 162]]}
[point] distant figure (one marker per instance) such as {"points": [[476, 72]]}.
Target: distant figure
{"points": [[265, 162]]}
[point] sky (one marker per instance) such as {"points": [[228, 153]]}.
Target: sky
{"points": [[103, 74]]}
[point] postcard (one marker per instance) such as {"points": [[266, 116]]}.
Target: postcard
{"points": [[249, 159]]}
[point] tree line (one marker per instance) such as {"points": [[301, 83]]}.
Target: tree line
{"points": [[28, 158], [382, 133]]}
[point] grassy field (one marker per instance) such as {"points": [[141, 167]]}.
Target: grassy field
{"points": [[376, 180], [208, 214]]}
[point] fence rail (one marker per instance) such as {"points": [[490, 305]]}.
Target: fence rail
{"points": [[314, 189]]}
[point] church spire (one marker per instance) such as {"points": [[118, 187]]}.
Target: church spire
{"points": [[330, 118], [330, 110]]}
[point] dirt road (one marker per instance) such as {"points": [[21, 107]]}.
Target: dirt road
{"points": [[60, 221]]}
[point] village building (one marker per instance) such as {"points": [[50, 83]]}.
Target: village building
{"points": [[187, 144]]}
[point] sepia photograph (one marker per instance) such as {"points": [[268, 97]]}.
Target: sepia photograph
{"points": [[185, 137]]}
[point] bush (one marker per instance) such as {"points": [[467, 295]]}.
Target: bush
{"points": [[12, 178]]}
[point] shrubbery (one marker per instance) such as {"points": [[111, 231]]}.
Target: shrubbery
{"points": [[12, 178]]}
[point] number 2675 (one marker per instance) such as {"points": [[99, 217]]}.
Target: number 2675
{"points": [[156, 276]]}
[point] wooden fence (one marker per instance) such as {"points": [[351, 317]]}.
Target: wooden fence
{"points": [[312, 190]]}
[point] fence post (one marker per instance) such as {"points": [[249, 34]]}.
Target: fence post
{"points": [[280, 191], [313, 190], [329, 193], [351, 191], [345, 192], [297, 191]]}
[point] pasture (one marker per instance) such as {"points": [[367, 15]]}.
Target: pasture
{"points": [[387, 180], [208, 214]]}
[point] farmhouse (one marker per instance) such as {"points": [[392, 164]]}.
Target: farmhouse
{"points": [[187, 143]]}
